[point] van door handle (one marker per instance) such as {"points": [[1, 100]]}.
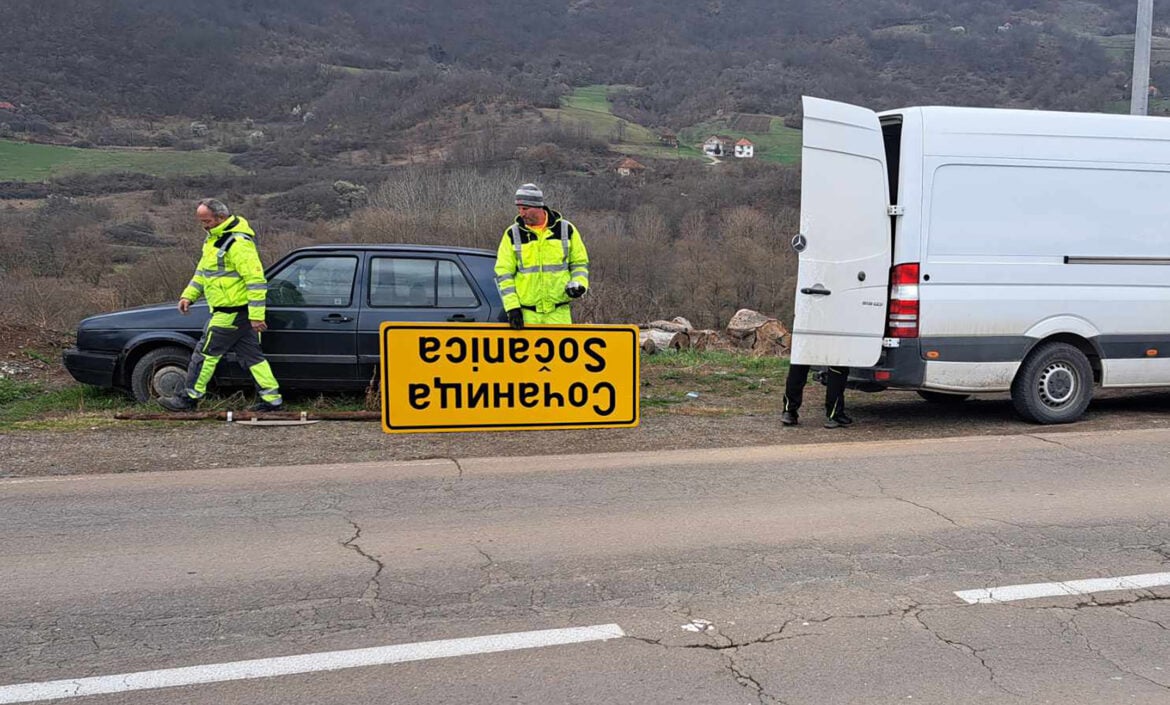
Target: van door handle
{"points": [[336, 318], [815, 290], [460, 318]]}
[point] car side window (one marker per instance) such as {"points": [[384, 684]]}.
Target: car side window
{"points": [[402, 282], [454, 289], [411, 282], [325, 281]]}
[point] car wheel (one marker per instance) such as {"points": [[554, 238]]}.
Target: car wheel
{"points": [[162, 372], [1054, 385], [943, 397]]}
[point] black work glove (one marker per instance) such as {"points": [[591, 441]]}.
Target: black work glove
{"points": [[574, 290], [516, 318]]}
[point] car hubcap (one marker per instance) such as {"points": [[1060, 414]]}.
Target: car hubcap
{"points": [[169, 380], [1058, 384]]}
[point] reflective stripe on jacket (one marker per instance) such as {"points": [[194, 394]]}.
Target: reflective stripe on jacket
{"points": [[229, 272], [533, 268]]}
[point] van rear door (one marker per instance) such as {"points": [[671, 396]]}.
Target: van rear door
{"points": [[844, 243]]}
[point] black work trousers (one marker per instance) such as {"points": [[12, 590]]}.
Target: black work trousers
{"points": [[835, 378]]}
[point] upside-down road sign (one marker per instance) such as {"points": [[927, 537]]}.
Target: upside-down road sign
{"points": [[490, 377]]}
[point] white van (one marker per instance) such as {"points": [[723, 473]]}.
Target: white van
{"points": [[959, 251]]}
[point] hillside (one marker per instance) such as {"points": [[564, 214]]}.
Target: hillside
{"points": [[413, 121], [339, 76]]}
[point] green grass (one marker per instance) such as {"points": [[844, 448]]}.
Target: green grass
{"points": [[726, 383], [780, 144], [21, 161], [1120, 47], [30, 406], [661, 151], [590, 107]]}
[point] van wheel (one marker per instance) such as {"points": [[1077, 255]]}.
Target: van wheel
{"points": [[162, 372], [943, 397], [1054, 385]]}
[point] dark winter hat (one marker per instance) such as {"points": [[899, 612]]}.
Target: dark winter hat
{"points": [[530, 195]]}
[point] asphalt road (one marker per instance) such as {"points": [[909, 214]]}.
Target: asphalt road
{"points": [[797, 574]]}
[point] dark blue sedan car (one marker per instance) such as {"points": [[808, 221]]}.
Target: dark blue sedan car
{"points": [[325, 306]]}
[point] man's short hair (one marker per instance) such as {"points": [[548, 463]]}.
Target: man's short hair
{"points": [[217, 207]]}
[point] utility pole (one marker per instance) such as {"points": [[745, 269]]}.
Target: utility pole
{"points": [[1139, 99]]}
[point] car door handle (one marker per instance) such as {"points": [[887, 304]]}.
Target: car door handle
{"points": [[815, 291], [336, 318], [460, 318]]}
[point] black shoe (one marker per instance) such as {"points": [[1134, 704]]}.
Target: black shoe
{"points": [[264, 406], [838, 421], [789, 418], [179, 402]]}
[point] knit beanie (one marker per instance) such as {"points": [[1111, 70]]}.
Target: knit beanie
{"points": [[530, 195]]}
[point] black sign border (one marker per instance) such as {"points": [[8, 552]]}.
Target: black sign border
{"points": [[385, 386]]}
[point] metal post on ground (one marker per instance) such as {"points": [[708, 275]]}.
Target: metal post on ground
{"points": [[1139, 100]]}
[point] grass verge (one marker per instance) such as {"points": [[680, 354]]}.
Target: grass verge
{"points": [[711, 383], [689, 383], [21, 161]]}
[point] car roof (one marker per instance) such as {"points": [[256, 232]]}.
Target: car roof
{"points": [[389, 248]]}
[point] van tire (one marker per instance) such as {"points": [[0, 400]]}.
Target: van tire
{"points": [[943, 397], [161, 372], [1054, 385]]}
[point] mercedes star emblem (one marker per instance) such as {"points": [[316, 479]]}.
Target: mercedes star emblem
{"points": [[799, 243]]}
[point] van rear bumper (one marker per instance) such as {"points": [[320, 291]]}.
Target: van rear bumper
{"points": [[898, 368]]}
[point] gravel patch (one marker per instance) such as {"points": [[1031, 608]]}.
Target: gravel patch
{"points": [[132, 446]]}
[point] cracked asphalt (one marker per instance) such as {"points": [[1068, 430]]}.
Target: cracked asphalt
{"points": [[814, 573]]}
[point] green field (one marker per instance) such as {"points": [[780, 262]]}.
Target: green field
{"points": [[1120, 47], [20, 161], [590, 108], [780, 144]]}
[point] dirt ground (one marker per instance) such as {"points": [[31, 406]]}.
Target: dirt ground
{"points": [[136, 447], [706, 422]]}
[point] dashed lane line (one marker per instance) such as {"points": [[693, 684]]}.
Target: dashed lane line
{"points": [[305, 663], [1009, 593]]}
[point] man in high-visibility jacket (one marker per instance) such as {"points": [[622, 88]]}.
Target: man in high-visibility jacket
{"points": [[541, 264], [231, 276]]}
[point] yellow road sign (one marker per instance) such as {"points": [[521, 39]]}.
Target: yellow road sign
{"points": [[489, 377]]}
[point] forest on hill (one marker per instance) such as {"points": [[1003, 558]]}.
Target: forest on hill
{"points": [[405, 120]]}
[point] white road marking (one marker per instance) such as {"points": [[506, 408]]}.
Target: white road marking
{"points": [[305, 663], [1008, 593]]}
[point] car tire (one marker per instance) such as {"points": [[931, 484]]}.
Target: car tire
{"points": [[1054, 385], [943, 397], [162, 372]]}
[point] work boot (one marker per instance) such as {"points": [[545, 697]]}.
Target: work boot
{"points": [[789, 418], [264, 406], [838, 421], [179, 402]]}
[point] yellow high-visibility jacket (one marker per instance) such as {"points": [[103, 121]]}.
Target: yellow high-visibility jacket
{"points": [[229, 272], [533, 267]]}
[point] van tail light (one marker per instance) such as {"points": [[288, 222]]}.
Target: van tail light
{"points": [[903, 317]]}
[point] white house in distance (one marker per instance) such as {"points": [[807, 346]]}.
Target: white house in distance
{"points": [[630, 167], [717, 146], [744, 149]]}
